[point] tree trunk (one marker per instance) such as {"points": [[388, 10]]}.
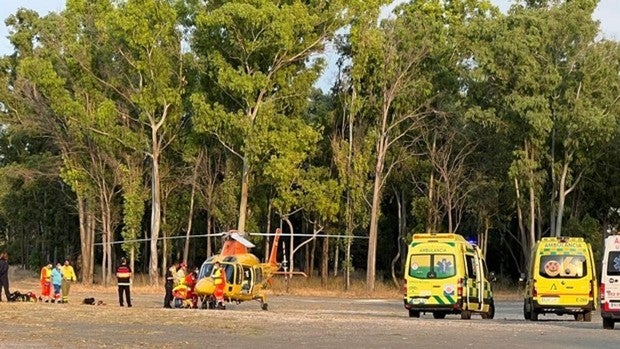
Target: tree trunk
{"points": [[243, 202], [190, 215], [312, 254], [325, 262], [307, 259], [431, 223], [209, 231], [104, 243], [336, 257], [399, 236], [85, 244], [522, 233], [374, 226], [155, 212], [267, 239], [92, 225], [292, 245], [532, 200], [561, 199]]}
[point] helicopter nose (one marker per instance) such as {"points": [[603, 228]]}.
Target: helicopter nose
{"points": [[205, 287]]}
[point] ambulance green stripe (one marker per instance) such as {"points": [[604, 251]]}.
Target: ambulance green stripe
{"points": [[439, 300]]}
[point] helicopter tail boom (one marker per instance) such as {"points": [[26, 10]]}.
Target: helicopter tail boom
{"points": [[274, 248]]}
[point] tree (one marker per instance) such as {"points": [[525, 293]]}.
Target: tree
{"points": [[394, 65], [146, 75], [258, 59]]}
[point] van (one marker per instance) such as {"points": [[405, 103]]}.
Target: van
{"points": [[446, 274], [610, 282], [561, 279]]}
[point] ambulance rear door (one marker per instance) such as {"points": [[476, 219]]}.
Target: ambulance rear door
{"points": [[474, 288]]}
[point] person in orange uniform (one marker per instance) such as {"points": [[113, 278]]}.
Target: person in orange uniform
{"points": [[190, 282], [46, 282], [219, 280]]}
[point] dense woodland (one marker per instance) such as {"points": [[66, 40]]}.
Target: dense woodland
{"points": [[131, 125]]}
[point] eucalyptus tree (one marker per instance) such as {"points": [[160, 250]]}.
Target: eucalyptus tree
{"points": [[145, 75], [551, 89], [48, 95], [259, 61], [395, 67]]}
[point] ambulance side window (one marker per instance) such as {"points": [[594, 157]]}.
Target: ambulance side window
{"points": [[471, 267], [613, 263]]}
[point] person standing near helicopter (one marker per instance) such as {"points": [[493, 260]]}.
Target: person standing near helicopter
{"points": [[171, 281], [219, 280]]}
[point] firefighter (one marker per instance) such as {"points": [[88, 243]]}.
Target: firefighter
{"points": [[46, 282], [219, 280], [68, 277]]}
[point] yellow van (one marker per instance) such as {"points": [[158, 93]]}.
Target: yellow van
{"points": [[446, 274], [561, 279], [610, 283]]}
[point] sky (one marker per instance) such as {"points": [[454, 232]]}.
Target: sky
{"points": [[607, 12]]}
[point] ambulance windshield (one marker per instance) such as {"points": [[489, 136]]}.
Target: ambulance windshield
{"points": [[563, 266], [431, 266], [613, 263]]}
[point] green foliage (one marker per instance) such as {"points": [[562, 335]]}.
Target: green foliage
{"points": [[93, 96]]}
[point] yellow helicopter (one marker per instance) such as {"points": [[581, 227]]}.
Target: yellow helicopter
{"points": [[245, 276]]}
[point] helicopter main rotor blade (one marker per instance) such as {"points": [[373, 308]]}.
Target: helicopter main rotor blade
{"points": [[245, 242]]}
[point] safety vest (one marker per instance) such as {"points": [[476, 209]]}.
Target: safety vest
{"points": [[217, 277], [68, 273], [46, 274]]}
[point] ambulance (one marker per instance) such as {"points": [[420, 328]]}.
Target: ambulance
{"points": [[561, 279], [610, 283], [446, 274]]}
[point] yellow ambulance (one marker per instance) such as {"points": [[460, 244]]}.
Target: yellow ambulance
{"points": [[561, 279], [610, 282], [446, 274]]}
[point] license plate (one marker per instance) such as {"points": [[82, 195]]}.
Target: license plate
{"points": [[614, 305], [550, 300], [418, 301]]}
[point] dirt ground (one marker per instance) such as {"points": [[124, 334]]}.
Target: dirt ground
{"points": [[292, 320]]}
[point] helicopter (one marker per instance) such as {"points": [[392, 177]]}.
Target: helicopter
{"points": [[245, 275]]}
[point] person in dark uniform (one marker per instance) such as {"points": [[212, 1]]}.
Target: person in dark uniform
{"points": [[171, 274], [4, 275], [123, 276]]}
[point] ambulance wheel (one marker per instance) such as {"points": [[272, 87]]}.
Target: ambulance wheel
{"points": [[414, 313], [608, 324], [587, 316], [465, 314], [439, 315], [491, 313], [526, 311], [533, 314], [263, 306]]}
